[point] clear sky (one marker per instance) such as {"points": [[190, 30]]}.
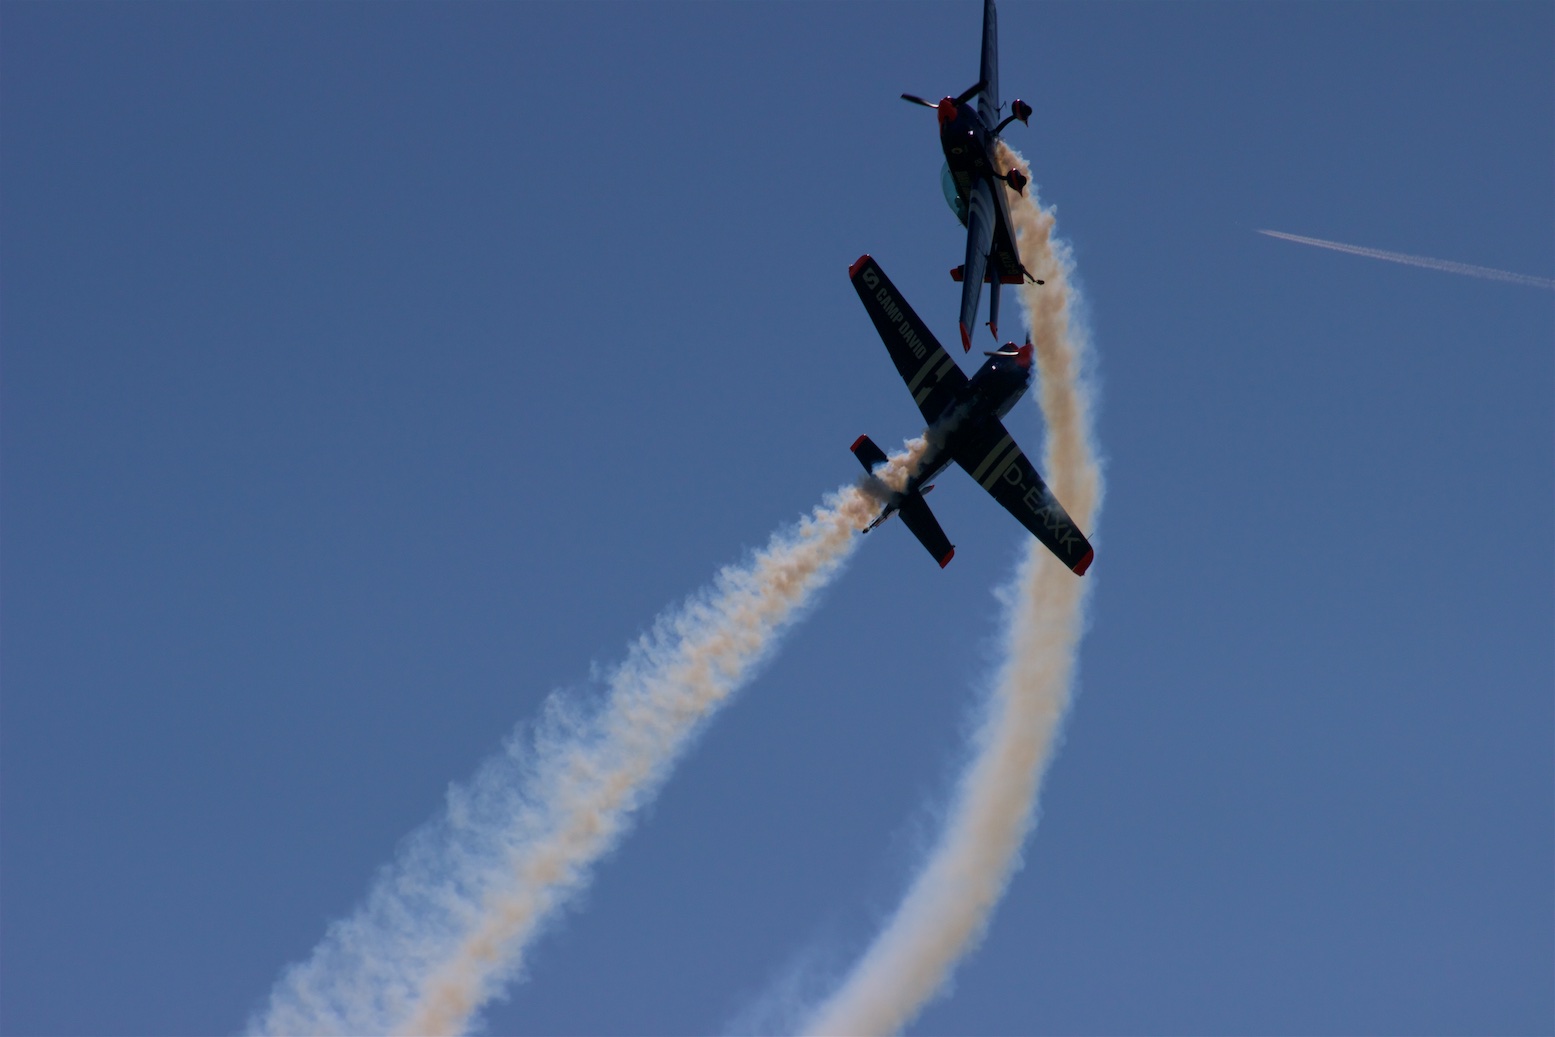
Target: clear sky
{"points": [[371, 371]]}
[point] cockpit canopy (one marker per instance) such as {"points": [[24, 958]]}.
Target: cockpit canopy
{"points": [[953, 198]]}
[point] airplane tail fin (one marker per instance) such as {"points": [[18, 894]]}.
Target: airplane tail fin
{"points": [[988, 103]]}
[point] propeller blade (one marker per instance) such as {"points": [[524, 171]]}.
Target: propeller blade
{"points": [[918, 100], [972, 92]]}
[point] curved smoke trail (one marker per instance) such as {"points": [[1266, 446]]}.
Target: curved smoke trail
{"points": [[946, 909], [446, 926]]}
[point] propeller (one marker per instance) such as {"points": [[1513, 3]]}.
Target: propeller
{"points": [[966, 95], [972, 91], [1010, 349]]}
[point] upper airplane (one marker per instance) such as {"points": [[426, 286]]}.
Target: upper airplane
{"points": [[964, 427], [968, 136]]}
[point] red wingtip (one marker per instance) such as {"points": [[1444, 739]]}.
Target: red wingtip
{"points": [[966, 340], [857, 265], [948, 556], [994, 328], [858, 443], [1084, 563]]}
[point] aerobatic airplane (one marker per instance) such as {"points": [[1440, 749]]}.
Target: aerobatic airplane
{"points": [[968, 136], [964, 427]]}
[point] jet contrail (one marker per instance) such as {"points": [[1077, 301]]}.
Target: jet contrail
{"points": [[1446, 266], [446, 926], [945, 911]]}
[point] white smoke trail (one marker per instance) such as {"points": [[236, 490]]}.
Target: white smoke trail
{"points": [[1446, 266], [945, 911], [445, 927]]}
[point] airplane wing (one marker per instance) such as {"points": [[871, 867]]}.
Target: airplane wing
{"points": [[988, 100], [981, 213], [993, 458], [931, 373], [1002, 252]]}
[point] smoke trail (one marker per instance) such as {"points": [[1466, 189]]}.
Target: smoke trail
{"points": [[946, 909], [1446, 266], [445, 927]]}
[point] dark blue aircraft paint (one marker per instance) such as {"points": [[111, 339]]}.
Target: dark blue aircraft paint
{"points": [[964, 425]]}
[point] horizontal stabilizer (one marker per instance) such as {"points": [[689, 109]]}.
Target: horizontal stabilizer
{"points": [[916, 514], [869, 455], [989, 275]]}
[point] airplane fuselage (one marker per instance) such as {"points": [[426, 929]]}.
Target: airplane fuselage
{"points": [[968, 147], [964, 425], [987, 397]]}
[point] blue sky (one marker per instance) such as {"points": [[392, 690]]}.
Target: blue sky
{"points": [[369, 372]]}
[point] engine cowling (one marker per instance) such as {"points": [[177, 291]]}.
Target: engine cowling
{"points": [[1021, 109]]}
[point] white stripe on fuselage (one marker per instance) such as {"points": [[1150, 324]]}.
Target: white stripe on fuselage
{"points": [[1002, 467], [923, 371], [993, 455]]}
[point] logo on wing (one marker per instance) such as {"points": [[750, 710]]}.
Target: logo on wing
{"points": [[1042, 505], [898, 316], [895, 313]]}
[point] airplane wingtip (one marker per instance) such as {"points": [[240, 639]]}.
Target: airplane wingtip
{"points": [[857, 265], [948, 556], [966, 340], [1085, 563]]}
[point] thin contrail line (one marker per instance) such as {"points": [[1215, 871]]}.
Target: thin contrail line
{"points": [[945, 911], [1446, 266], [446, 926]]}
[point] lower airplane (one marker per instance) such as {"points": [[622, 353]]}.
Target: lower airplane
{"points": [[964, 427]]}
